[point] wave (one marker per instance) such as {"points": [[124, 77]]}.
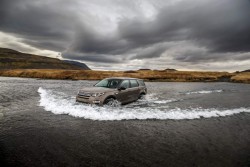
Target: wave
{"points": [[204, 92], [59, 104], [165, 101], [152, 98]]}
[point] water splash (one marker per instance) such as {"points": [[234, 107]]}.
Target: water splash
{"points": [[66, 105], [204, 92]]}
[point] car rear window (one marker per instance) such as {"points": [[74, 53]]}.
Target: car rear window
{"points": [[141, 82], [134, 83]]}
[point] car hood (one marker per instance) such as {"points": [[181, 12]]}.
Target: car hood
{"points": [[96, 90]]}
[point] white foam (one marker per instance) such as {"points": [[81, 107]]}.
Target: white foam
{"points": [[152, 98], [165, 101], [205, 92], [65, 105], [1, 115]]}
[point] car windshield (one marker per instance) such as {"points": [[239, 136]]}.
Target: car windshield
{"points": [[108, 83]]}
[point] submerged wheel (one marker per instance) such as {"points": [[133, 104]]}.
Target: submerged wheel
{"points": [[141, 96], [109, 101]]}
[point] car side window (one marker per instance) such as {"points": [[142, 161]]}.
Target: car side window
{"points": [[134, 83], [125, 84], [113, 84]]}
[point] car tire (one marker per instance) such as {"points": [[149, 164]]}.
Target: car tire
{"points": [[141, 96], [109, 101]]}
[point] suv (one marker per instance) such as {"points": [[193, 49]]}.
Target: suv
{"points": [[124, 90]]}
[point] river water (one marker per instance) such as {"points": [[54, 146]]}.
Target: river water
{"points": [[41, 124]]}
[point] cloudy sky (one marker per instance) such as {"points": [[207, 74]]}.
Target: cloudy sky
{"points": [[132, 34]]}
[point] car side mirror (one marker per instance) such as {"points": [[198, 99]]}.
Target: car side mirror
{"points": [[122, 88]]}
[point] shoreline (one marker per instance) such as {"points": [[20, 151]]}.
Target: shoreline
{"points": [[147, 75]]}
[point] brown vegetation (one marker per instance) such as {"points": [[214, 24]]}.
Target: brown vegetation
{"points": [[17, 64], [241, 77], [148, 75]]}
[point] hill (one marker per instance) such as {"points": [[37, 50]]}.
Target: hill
{"points": [[78, 64], [17, 64], [246, 70], [11, 59]]}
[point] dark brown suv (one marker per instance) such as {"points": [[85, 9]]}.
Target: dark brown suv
{"points": [[124, 90]]}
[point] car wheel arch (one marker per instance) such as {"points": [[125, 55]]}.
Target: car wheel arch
{"points": [[110, 96], [141, 95]]}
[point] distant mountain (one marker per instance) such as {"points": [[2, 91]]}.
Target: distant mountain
{"points": [[78, 64], [144, 69], [11, 59], [246, 70], [170, 69]]}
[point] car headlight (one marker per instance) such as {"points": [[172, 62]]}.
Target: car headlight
{"points": [[97, 94]]}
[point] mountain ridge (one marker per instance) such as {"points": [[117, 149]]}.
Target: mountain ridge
{"points": [[12, 59]]}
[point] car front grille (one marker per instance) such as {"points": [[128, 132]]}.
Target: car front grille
{"points": [[84, 95]]}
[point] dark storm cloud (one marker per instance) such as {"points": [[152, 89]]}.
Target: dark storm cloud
{"points": [[41, 24], [87, 40], [152, 51], [195, 56], [50, 44], [222, 28], [92, 57]]}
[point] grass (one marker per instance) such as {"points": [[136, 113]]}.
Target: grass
{"points": [[148, 75], [241, 77], [17, 64]]}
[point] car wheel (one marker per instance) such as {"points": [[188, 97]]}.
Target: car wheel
{"points": [[111, 102], [142, 96]]}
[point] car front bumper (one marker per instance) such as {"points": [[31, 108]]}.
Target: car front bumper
{"points": [[90, 100]]}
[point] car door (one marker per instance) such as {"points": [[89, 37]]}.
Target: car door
{"points": [[124, 95], [134, 90]]}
